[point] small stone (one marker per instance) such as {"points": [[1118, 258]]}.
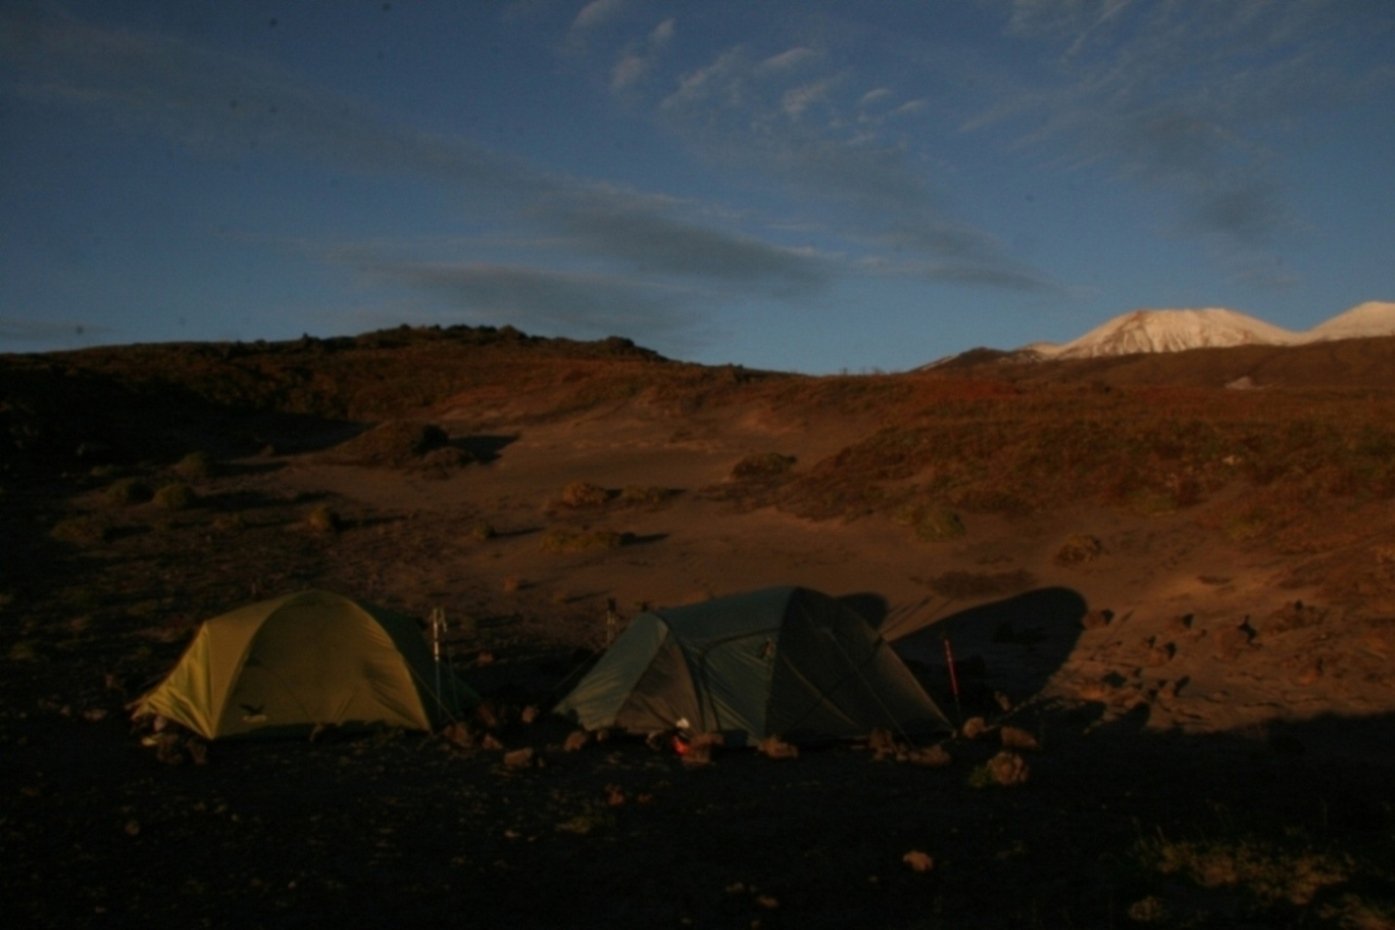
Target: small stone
{"points": [[919, 861], [576, 741], [776, 748], [1017, 738], [1008, 769], [519, 758], [973, 728], [934, 757]]}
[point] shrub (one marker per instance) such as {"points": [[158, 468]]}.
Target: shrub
{"points": [[324, 519], [584, 494], [176, 496], [647, 496], [762, 465], [128, 491], [1078, 549], [930, 522], [196, 466], [566, 540], [81, 531]]}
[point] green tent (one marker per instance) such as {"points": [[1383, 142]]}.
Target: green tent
{"points": [[787, 662], [306, 659]]}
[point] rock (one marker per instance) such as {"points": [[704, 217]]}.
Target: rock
{"points": [[1096, 619], [1017, 738], [1233, 642], [519, 758], [1079, 549], [576, 741], [1008, 769], [973, 728], [934, 757], [918, 861], [1295, 616], [776, 748], [883, 744], [1309, 673]]}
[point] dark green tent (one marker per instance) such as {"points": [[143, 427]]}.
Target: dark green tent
{"points": [[306, 659], [788, 662]]}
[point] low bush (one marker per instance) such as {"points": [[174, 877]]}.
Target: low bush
{"points": [[196, 466], [84, 530], [127, 491], [176, 496], [580, 494], [324, 519], [762, 466], [931, 522], [568, 540]]}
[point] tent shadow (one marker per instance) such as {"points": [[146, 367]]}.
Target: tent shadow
{"points": [[1012, 646]]}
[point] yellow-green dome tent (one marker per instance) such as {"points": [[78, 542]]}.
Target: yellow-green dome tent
{"points": [[788, 662], [304, 660]]}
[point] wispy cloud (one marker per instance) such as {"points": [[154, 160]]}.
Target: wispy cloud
{"points": [[215, 103], [644, 232], [596, 13], [638, 59], [219, 104], [756, 114], [1189, 99]]}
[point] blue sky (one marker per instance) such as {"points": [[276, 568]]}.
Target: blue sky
{"points": [[792, 184]]}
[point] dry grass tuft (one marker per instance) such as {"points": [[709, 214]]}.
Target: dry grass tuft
{"points": [[561, 539]]}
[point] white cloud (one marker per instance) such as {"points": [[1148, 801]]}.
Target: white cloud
{"points": [[787, 60], [596, 12], [639, 59]]}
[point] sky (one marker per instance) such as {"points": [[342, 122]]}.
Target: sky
{"points": [[795, 185]]}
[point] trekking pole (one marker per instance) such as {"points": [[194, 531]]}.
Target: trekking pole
{"points": [[438, 625], [953, 679]]}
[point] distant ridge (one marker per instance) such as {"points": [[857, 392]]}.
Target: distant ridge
{"points": [[1150, 331]]}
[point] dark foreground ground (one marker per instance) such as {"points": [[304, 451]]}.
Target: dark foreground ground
{"points": [[1114, 827]]}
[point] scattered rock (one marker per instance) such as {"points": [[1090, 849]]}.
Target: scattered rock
{"points": [[919, 861], [1096, 619], [1008, 769], [1295, 616], [1017, 738], [776, 748], [1233, 642], [519, 758], [934, 757], [1079, 549], [1310, 672], [973, 728], [576, 741], [883, 744], [1159, 654]]}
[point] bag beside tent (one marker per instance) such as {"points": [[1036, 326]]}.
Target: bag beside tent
{"points": [[788, 662], [307, 659]]}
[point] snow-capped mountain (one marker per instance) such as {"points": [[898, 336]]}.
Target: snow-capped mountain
{"points": [[1143, 331], [1373, 318], [1170, 331]]}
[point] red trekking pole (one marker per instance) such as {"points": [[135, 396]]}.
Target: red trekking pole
{"points": [[953, 679]]}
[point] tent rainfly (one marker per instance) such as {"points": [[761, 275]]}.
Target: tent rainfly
{"points": [[312, 658], [787, 661]]}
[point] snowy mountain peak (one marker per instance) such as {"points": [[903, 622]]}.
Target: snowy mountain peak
{"points": [[1373, 318], [1170, 331]]}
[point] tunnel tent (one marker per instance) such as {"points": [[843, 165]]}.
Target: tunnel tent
{"points": [[307, 659], [787, 661]]}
